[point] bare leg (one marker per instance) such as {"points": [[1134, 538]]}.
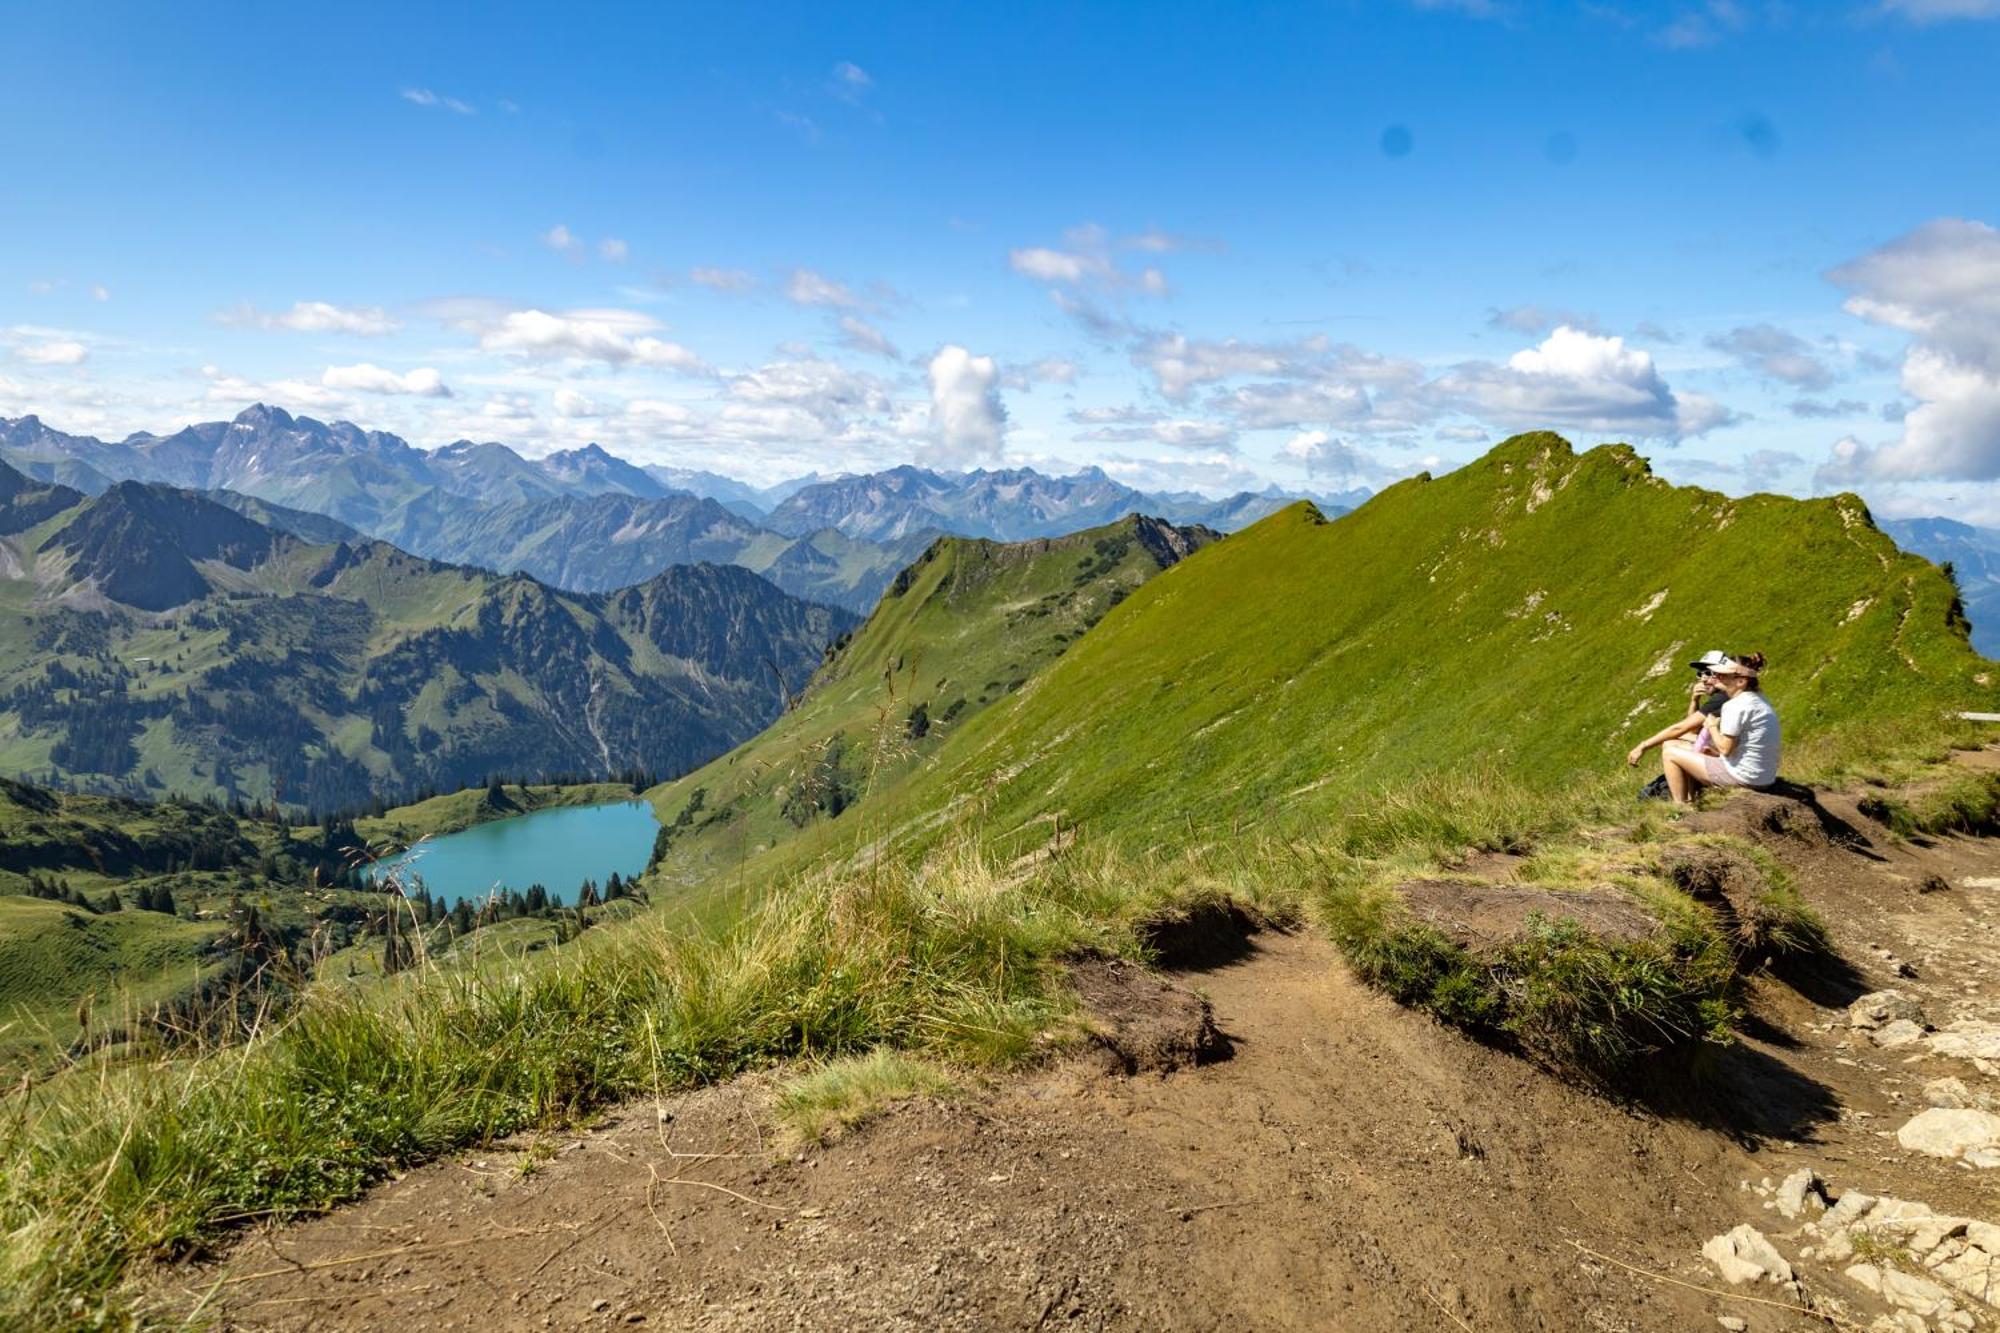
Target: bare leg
{"points": [[1684, 769]]}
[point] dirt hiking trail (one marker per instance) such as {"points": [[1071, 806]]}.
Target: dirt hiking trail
{"points": [[1335, 1162]]}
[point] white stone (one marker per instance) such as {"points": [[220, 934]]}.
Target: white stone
{"points": [[1967, 1039], [1847, 1211], [1732, 1323], [1883, 1006], [1941, 1132], [1898, 1032], [1795, 1190], [1744, 1255]]}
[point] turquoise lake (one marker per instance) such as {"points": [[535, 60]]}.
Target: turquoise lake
{"points": [[558, 849]]}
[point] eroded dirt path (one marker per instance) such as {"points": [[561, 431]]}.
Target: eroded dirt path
{"points": [[1350, 1166]]}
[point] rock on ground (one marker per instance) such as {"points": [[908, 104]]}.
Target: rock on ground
{"points": [[1744, 1255], [1973, 1136]]}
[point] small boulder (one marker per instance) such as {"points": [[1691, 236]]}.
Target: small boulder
{"points": [[1877, 1008], [1744, 1255], [1796, 1191], [1896, 1032], [1964, 1134]]}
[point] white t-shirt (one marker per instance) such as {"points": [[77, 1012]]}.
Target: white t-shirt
{"points": [[1750, 719]]}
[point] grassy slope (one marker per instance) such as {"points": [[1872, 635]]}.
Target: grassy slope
{"points": [[1527, 615], [53, 956], [976, 620]]}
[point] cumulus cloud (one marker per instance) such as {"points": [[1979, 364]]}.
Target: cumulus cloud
{"points": [[614, 337], [967, 421], [1085, 262], [1580, 381], [721, 279], [1941, 285], [563, 241], [99, 292], [613, 250], [362, 321], [426, 97], [365, 378], [1776, 354]]}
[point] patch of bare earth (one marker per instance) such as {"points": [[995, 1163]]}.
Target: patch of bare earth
{"points": [[1314, 1157]]}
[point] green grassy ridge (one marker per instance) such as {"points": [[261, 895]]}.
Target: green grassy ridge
{"points": [[966, 625], [1527, 614]]}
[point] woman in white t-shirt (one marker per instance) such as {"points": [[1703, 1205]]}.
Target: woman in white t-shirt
{"points": [[1745, 738]]}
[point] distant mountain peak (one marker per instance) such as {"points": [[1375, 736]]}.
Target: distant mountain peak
{"points": [[264, 415]]}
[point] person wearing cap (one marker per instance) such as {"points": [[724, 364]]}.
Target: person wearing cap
{"points": [[1745, 735], [1704, 703]]}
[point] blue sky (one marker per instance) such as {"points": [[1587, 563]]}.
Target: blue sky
{"points": [[1209, 246]]}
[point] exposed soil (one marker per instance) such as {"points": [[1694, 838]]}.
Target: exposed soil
{"points": [[1485, 917], [1350, 1165]]}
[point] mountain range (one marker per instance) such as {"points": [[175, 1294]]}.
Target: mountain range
{"points": [[586, 520], [157, 640], [1974, 557]]}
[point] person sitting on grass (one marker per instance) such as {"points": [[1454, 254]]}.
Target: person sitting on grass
{"points": [[1745, 736], [1704, 703]]}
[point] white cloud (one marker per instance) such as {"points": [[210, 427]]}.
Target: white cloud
{"points": [[563, 241], [52, 352], [1324, 456], [858, 334], [1776, 354], [967, 420], [1579, 381], [806, 287], [1048, 370], [614, 337], [426, 97], [1941, 284], [1046, 265], [819, 389], [99, 292], [366, 321], [721, 279], [613, 250], [1186, 434], [365, 378], [569, 403]]}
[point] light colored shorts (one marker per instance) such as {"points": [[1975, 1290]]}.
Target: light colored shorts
{"points": [[1717, 774]]}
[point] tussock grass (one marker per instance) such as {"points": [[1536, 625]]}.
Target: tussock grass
{"points": [[1960, 801], [152, 1159], [838, 1095], [1570, 998]]}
